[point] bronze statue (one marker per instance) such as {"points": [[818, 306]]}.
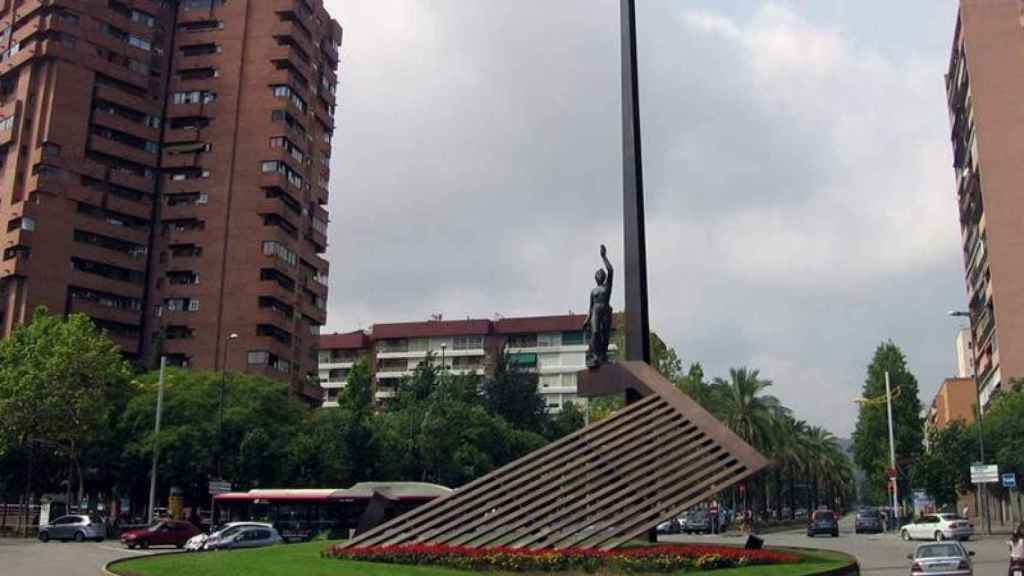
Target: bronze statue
{"points": [[598, 326]]}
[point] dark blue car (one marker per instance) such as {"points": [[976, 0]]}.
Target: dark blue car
{"points": [[869, 522], [823, 522]]}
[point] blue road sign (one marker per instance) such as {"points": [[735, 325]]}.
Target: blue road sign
{"points": [[1009, 480]]}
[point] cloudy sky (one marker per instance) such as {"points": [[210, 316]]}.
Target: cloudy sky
{"points": [[796, 157]]}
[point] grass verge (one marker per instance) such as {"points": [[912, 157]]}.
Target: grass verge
{"points": [[304, 560]]}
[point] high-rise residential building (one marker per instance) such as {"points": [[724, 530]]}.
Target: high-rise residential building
{"points": [[165, 171], [964, 355], [956, 399], [985, 88], [550, 346]]}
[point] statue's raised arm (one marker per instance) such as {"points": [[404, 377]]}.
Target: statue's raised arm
{"points": [[611, 271]]}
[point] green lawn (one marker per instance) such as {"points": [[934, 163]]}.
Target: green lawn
{"points": [[304, 560]]}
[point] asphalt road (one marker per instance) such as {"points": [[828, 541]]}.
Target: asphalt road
{"points": [[879, 555], [23, 557]]}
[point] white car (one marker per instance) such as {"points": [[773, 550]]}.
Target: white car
{"points": [[245, 537], [938, 527], [203, 541]]}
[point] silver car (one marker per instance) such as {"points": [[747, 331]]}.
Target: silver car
{"points": [[941, 559], [77, 527], [211, 541], [245, 537]]}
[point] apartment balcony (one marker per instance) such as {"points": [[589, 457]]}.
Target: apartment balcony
{"points": [[138, 235], [334, 384], [102, 283], [208, 109], [139, 208], [296, 29], [127, 126], [183, 135], [123, 98], [383, 354], [96, 310], [550, 349], [393, 376], [337, 365], [107, 256], [129, 180]]}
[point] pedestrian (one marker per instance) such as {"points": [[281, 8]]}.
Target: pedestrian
{"points": [[963, 514], [1017, 545]]}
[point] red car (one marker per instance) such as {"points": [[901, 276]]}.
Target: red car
{"points": [[163, 533]]}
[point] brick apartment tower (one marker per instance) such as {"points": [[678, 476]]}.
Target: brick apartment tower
{"points": [[165, 170], [985, 89]]}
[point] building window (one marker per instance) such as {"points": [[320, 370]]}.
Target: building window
{"points": [[194, 97], [201, 26], [181, 304], [6, 123], [201, 49], [258, 357], [275, 248], [198, 73], [202, 4], [572, 338]]}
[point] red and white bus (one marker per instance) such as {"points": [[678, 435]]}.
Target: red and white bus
{"points": [[301, 514]]}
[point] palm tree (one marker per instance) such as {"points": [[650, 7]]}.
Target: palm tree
{"points": [[750, 413]]}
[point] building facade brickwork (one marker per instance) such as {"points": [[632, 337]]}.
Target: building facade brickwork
{"points": [[985, 86], [165, 171]]}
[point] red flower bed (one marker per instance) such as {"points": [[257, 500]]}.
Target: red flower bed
{"points": [[662, 558]]}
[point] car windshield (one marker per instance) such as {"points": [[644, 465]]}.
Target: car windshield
{"points": [[939, 551]]}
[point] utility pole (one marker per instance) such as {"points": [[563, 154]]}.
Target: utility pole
{"points": [[892, 447], [156, 435]]}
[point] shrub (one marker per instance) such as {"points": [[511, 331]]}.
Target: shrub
{"points": [[664, 558]]}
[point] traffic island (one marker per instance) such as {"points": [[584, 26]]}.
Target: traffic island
{"points": [[320, 558]]}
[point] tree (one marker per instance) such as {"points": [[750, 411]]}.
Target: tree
{"points": [[746, 409], [565, 422], [62, 382], [870, 438], [260, 422], [663, 357], [511, 393]]}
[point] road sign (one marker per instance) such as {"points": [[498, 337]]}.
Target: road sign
{"points": [[984, 473], [1009, 480], [219, 487]]}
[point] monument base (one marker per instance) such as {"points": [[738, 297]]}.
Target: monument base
{"points": [[600, 487]]}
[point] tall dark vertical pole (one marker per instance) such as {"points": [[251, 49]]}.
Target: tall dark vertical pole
{"points": [[637, 323]]}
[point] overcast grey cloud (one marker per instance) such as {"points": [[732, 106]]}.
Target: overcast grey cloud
{"points": [[797, 164]]}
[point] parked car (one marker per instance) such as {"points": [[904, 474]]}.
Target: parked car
{"points": [[869, 521], [800, 514], [823, 522], [163, 533], [77, 527], [211, 541], [669, 527], [698, 521], [247, 537], [938, 527], [941, 559]]}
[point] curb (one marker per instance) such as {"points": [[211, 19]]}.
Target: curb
{"points": [[106, 571], [851, 569]]}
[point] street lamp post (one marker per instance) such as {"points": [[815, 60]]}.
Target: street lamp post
{"points": [[892, 447], [892, 440], [156, 438], [972, 318], [220, 409]]}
